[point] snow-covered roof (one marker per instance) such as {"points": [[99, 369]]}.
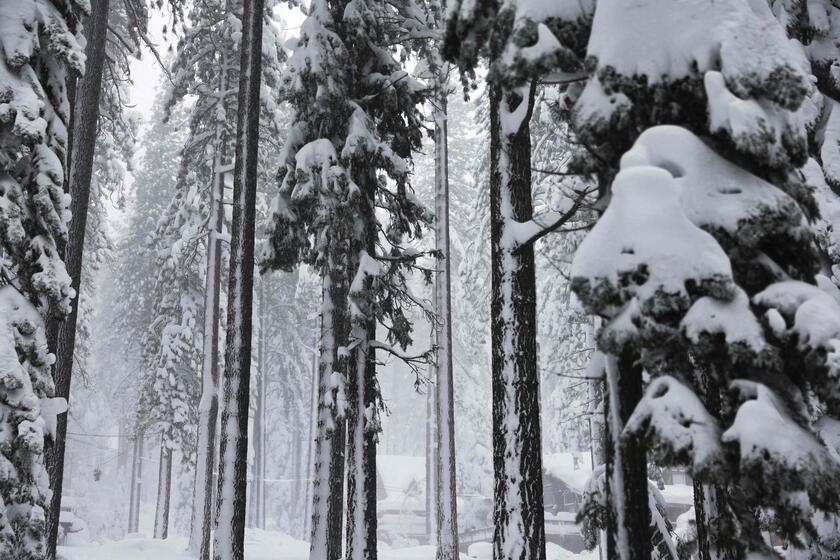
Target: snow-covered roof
{"points": [[562, 467], [682, 494]]}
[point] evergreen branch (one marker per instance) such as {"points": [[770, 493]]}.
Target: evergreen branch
{"points": [[532, 234]]}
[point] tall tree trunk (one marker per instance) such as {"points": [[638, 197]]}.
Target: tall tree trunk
{"points": [[431, 461], [132, 487], [136, 485], [361, 449], [229, 542], [257, 484], [362, 424], [81, 172], [164, 491], [328, 468], [208, 408], [611, 530], [297, 485], [263, 341], [445, 488], [629, 485], [517, 454], [313, 415]]}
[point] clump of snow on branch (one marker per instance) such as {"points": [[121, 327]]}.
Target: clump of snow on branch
{"points": [[25, 385], [672, 418], [38, 49], [775, 451], [644, 246]]}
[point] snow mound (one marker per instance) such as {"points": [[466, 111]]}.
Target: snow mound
{"points": [[716, 194], [734, 319], [681, 429], [775, 450], [645, 246], [669, 39]]}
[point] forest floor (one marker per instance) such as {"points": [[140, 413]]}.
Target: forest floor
{"points": [[259, 545]]}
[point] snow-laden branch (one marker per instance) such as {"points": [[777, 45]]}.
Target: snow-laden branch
{"points": [[422, 358], [521, 234]]}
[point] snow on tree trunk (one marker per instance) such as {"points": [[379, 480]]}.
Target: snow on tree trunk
{"points": [[518, 496], [431, 461], [163, 492], [229, 543], [445, 482], [362, 414], [257, 500], [136, 484], [310, 436], [208, 408], [80, 174], [328, 469], [28, 418]]}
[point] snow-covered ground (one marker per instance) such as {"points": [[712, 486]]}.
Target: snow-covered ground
{"points": [[263, 545]]}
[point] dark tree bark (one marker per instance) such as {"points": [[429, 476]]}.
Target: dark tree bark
{"points": [[361, 457], [717, 535], [609, 470], [700, 521], [517, 454], [445, 487], [83, 138], [636, 509], [362, 396], [164, 492], [310, 436], [208, 409], [328, 467], [229, 543]]}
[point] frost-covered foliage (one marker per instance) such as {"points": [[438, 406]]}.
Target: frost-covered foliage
{"points": [[544, 39], [161, 286], [26, 418], [206, 67], [346, 207], [171, 347], [118, 130], [671, 415], [40, 44], [704, 263]]}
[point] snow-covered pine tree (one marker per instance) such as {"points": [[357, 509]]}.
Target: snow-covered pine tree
{"points": [[512, 37], [703, 264], [203, 66], [470, 265], [207, 66], [445, 486], [356, 123], [169, 391], [158, 276], [116, 138], [229, 536], [85, 99], [40, 48], [314, 200]]}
